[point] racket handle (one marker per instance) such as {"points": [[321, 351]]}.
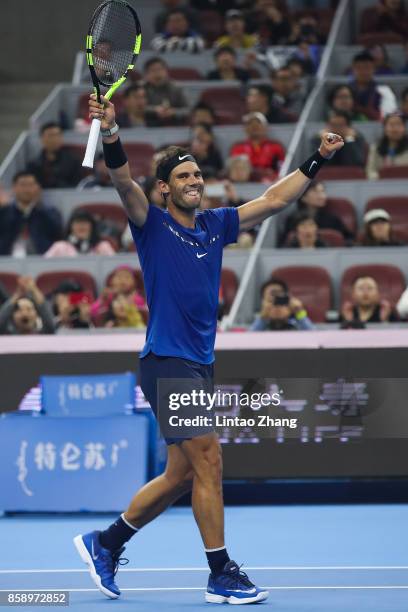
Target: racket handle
{"points": [[92, 144]]}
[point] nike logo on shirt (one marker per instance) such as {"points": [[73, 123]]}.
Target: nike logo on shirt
{"points": [[200, 255]]}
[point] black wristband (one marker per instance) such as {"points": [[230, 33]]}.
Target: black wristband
{"points": [[115, 156], [312, 165]]}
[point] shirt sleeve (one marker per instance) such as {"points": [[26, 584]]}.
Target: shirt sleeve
{"points": [[230, 221], [139, 234]]}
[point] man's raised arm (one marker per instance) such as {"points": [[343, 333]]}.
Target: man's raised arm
{"points": [[289, 188], [131, 194]]}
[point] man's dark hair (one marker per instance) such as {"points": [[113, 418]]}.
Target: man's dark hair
{"points": [[134, 87], [49, 125], [264, 90], [22, 173], [363, 56], [225, 49], [153, 60], [339, 113], [167, 154], [274, 281], [204, 106]]}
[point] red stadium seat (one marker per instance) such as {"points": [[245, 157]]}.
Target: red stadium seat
{"points": [[140, 156], [113, 213], [229, 286], [185, 73], [343, 209], [9, 281], [312, 285], [379, 38], [227, 103], [391, 281], [396, 206], [48, 281], [340, 173], [212, 25], [394, 172]]}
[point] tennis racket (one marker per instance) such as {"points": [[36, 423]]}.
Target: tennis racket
{"points": [[112, 46]]}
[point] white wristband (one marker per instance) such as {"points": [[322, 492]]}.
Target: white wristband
{"points": [[110, 132]]}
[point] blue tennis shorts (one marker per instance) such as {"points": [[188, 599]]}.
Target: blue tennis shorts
{"points": [[167, 383]]}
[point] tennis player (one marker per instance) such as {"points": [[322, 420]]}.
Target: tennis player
{"points": [[180, 251]]}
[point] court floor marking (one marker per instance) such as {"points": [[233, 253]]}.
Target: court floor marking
{"points": [[271, 588], [205, 569]]}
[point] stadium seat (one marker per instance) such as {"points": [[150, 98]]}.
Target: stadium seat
{"points": [[379, 38], [393, 172], [343, 209], [312, 285], [112, 213], [227, 103], [9, 281], [396, 206], [212, 25], [229, 286], [185, 73], [48, 281], [140, 156], [339, 173], [391, 281]]}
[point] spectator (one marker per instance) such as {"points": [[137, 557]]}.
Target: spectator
{"points": [[202, 113], [372, 100], [227, 70], [386, 16], [27, 311], [259, 100], [280, 310], [314, 202], [3, 294], [287, 95], [392, 148], [82, 238], [165, 99], [266, 155], [305, 29], [404, 104], [27, 226], [381, 60], [236, 36], [171, 5], [402, 306], [100, 176], [377, 229], [297, 67], [123, 281], [56, 166], [71, 306], [309, 55], [341, 98], [354, 152], [306, 233], [239, 169], [135, 113], [177, 35], [5, 196], [121, 313], [366, 305], [270, 20], [205, 151]]}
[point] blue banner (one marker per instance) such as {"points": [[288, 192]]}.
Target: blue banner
{"points": [[89, 395], [72, 464]]}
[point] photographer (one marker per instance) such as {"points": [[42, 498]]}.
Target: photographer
{"points": [[71, 306], [27, 311], [279, 310]]}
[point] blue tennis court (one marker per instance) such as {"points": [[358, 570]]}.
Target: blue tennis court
{"points": [[312, 558]]}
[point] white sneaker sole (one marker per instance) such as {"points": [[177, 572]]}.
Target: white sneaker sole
{"points": [[220, 599], [86, 558]]}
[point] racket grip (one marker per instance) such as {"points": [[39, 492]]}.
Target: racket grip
{"points": [[92, 144]]}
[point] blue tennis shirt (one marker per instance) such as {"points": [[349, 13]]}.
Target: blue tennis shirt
{"points": [[181, 270]]}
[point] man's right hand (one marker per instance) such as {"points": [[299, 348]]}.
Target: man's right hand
{"points": [[105, 112]]}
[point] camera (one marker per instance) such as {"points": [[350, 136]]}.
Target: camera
{"points": [[281, 300]]}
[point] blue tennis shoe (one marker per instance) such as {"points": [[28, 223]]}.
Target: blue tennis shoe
{"points": [[233, 586], [103, 564]]}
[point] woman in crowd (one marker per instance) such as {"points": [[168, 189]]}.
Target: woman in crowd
{"points": [[205, 150], [378, 230], [306, 233], [122, 313], [122, 281], [391, 149], [82, 238], [314, 202], [341, 98]]}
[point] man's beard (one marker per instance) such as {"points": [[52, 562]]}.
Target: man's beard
{"points": [[179, 202]]}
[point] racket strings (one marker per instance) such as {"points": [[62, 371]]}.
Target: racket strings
{"points": [[114, 33]]}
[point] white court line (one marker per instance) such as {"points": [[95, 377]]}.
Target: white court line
{"points": [[271, 588], [205, 569]]}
